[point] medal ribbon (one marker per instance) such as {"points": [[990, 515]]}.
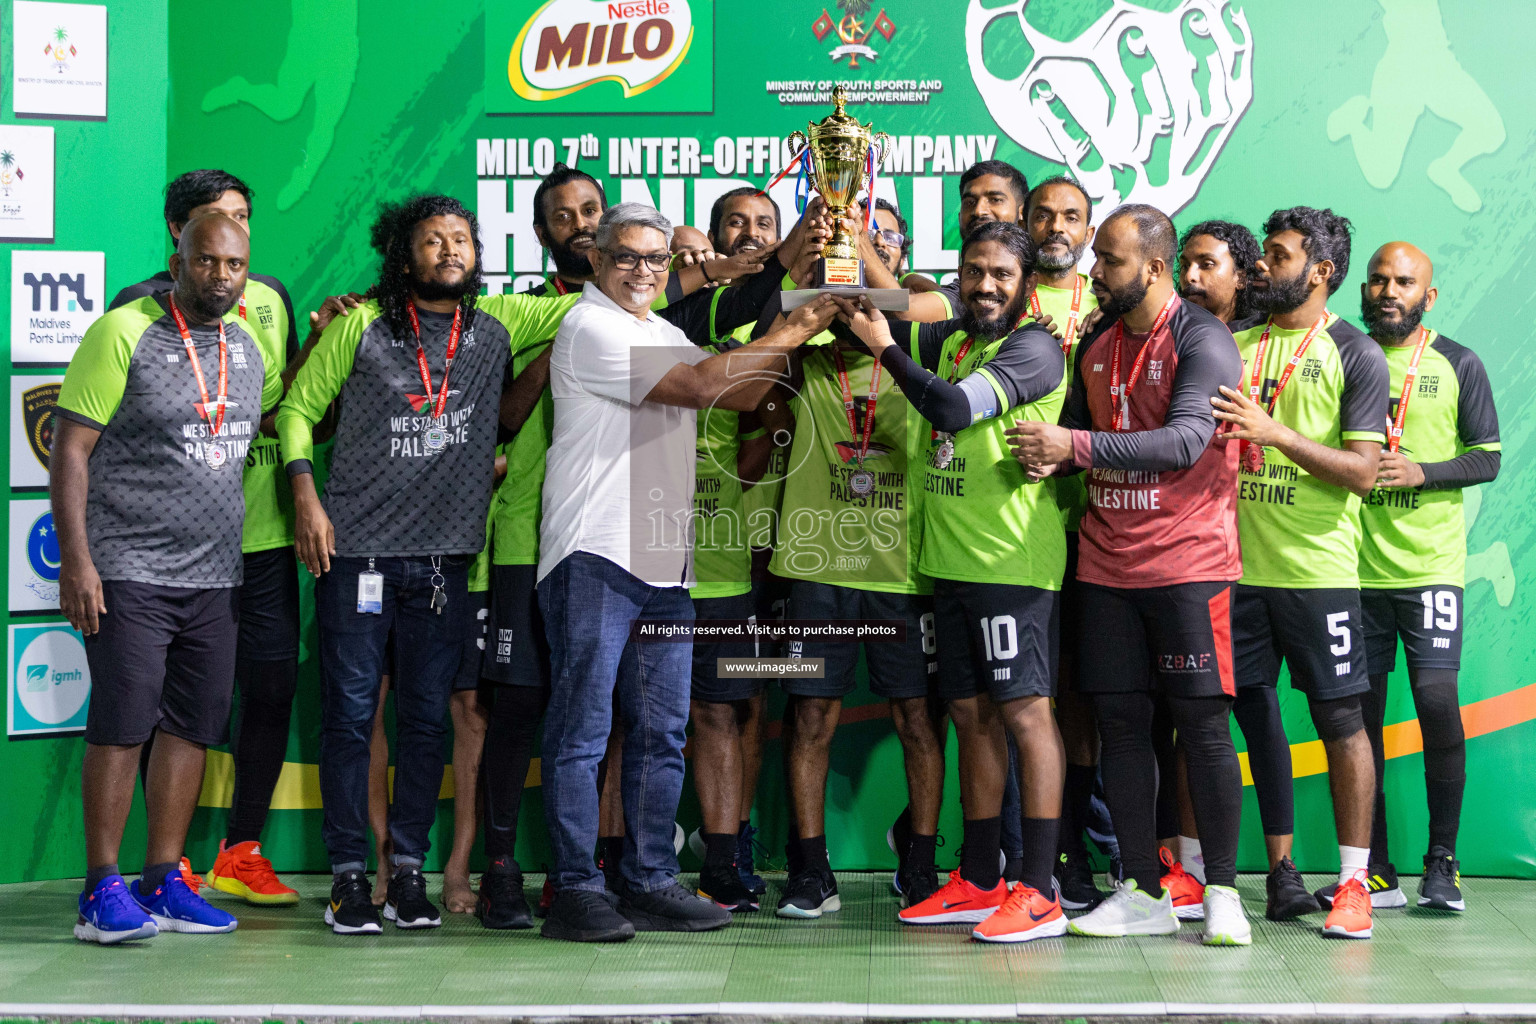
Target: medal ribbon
{"points": [[1255, 379], [1077, 304], [1395, 435], [421, 356], [1122, 396], [954, 375], [197, 367], [848, 407]]}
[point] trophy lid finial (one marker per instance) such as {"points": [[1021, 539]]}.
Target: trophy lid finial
{"points": [[839, 100]]}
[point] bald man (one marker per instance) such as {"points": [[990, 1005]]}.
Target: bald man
{"points": [[690, 240], [1442, 437], [155, 420]]}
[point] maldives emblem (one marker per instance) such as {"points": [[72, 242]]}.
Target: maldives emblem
{"points": [[570, 44], [60, 49], [10, 172], [37, 405], [852, 32]]}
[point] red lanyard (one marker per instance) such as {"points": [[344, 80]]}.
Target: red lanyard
{"points": [[1395, 435], [197, 368], [1122, 396], [1290, 367], [421, 356], [954, 373], [869, 408], [242, 305], [560, 288], [1077, 301]]}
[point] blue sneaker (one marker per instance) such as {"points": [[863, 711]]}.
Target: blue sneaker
{"points": [[176, 908], [746, 844], [109, 914]]}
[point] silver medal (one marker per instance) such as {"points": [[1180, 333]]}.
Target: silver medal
{"points": [[434, 439], [944, 454], [215, 455], [862, 482]]}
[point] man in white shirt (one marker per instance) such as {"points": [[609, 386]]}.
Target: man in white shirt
{"points": [[615, 552]]}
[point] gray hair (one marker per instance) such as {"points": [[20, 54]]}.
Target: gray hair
{"points": [[624, 215]]}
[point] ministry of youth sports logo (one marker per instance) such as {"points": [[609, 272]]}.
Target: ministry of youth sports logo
{"points": [[853, 30], [1075, 102]]}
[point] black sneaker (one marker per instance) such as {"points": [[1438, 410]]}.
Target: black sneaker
{"points": [[1440, 888], [722, 885], [918, 883], [502, 903], [746, 867], [351, 910], [580, 915], [808, 894], [1286, 895], [407, 904], [899, 837], [1382, 885], [673, 909], [1074, 880]]}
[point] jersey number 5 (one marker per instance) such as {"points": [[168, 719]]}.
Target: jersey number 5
{"points": [[1338, 625]]}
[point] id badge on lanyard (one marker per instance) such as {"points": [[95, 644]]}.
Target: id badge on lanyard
{"points": [[370, 591]]}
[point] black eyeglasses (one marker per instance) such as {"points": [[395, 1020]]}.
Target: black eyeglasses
{"points": [[894, 239], [656, 261]]}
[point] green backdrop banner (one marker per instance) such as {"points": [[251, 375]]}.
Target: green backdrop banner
{"points": [[1204, 108]]}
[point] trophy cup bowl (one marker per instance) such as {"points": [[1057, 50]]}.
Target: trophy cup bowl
{"points": [[839, 148]]}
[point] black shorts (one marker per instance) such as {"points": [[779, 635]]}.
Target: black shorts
{"points": [[165, 659], [475, 632], [1427, 618], [517, 651], [269, 606], [1318, 633], [1175, 640], [897, 670], [995, 638], [708, 683]]}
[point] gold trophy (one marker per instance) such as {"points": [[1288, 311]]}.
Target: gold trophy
{"points": [[840, 149]]}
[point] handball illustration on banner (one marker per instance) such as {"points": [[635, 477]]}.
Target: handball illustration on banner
{"points": [[1075, 102]]}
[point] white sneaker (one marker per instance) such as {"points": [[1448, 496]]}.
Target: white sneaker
{"points": [[1225, 923], [1129, 911], [696, 843], [679, 837]]}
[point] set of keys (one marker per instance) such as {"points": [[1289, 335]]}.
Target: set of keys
{"points": [[370, 589]]}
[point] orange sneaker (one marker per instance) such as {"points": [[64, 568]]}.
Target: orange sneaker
{"points": [[957, 901], [242, 871], [1350, 917], [192, 878], [1026, 914], [1188, 894]]}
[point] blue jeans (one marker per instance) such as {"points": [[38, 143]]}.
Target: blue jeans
{"points": [[427, 647], [589, 604]]}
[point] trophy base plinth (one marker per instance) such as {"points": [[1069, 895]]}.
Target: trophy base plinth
{"points": [[890, 299], [839, 272]]}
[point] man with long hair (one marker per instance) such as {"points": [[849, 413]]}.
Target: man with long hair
{"points": [[419, 369]]}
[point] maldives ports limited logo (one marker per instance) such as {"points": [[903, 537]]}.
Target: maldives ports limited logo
{"points": [[600, 56]]}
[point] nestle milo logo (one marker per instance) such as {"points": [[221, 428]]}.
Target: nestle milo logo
{"points": [[569, 45]]}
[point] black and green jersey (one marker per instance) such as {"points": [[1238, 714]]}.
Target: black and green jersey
{"points": [[164, 502], [827, 532], [1416, 536], [983, 521], [1297, 531], [1056, 303], [268, 316], [401, 483]]}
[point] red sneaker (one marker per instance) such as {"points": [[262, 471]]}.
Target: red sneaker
{"points": [[1026, 914], [1188, 894], [957, 901], [546, 897], [242, 871], [1350, 917]]}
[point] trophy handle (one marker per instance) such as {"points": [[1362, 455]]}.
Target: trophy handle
{"points": [[884, 142], [797, 141]]}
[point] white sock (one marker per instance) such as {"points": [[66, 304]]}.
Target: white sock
{"points": [[1354, 862], [1189, 856]]}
